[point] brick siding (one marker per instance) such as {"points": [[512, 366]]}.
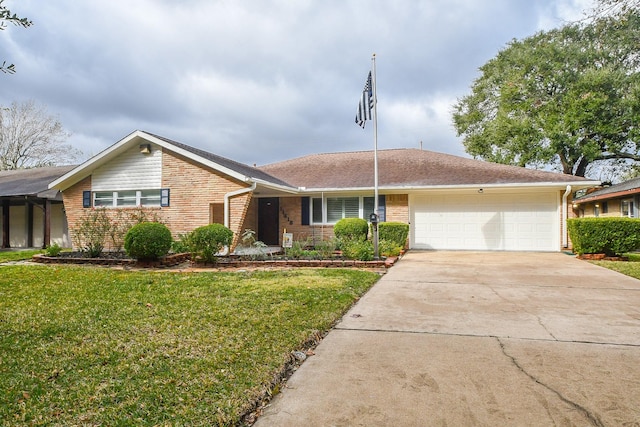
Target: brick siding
{"points": [[193, 190]]}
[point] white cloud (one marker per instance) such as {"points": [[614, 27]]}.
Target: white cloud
{"points": [[261, 81]]}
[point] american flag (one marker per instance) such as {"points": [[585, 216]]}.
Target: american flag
{"points": [[366, 103]]}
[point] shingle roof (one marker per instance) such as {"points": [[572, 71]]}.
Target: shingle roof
{"points": [[30, 182], [403, 168], [618, 190], [241, 168]]}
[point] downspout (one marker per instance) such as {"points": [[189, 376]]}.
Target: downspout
{"points": [[227, 197], [565, 213]]}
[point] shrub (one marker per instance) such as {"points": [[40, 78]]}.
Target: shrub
{"points": [[359, 250], [396, 232], [325, 248], [209, 240], [53, 250], [123, 219], [611, 236], [182, 244], [298, 248], [91, 231], [389, 248], [350, 229], [148, 241], [256, 249]]}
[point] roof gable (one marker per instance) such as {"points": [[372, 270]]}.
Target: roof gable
{"points": [[229, 167], [406, 168]]}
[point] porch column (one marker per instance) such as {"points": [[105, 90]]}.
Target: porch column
{"points": [[5, 224], [29, 207], [47, 224]]}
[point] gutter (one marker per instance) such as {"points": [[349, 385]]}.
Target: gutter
{"points": [[227, 197], [565, 232], [231, 194], [512, 186]]}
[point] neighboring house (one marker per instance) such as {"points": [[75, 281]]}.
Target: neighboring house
{"points": [[32, 214], [450, 202], [616, 200]]}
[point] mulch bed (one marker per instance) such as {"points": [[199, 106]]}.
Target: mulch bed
{"points": [[602, 257], [119, 259]]}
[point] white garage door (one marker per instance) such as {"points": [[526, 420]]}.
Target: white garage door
{"points": [[511, 222]]}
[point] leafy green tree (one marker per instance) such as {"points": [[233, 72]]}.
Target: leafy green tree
{"points": [[568, 98], [7, 17]]}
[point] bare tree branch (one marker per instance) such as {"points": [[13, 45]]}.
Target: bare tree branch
{"points": [[30, 137]]}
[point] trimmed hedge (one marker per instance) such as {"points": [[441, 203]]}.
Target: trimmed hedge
{"points": [[349, 229], [611, 236], [396, 232], [148, 241], [207, 241]]}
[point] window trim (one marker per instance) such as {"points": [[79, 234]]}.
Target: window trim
{"points": [[324, 205], [630, 208], [142, 197]]}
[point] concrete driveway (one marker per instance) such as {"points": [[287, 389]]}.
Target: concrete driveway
{"points": [[477, 338]]}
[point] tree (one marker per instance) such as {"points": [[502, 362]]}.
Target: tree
{"points": [[7, 16], [30, 137], [566, 98], [615, 8]]}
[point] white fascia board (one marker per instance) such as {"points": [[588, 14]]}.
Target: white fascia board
{"points": [[81, 171], [576, 185], [273, 186], [198, 159]]}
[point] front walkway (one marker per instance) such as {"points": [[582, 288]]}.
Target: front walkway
{"points": [[476, 338]]}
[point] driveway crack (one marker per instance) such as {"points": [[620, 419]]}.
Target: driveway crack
{"points": [[524, 309], [593, 418]]}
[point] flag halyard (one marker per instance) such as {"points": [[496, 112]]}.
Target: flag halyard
{"points": [[366, 104]]}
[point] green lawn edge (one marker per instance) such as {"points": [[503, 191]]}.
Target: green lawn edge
{"points": [[98, 346]]}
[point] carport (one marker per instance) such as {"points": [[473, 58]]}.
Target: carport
{"points": [[32, 215]]}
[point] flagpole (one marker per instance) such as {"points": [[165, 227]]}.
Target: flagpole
{"points": [[375, 155]]}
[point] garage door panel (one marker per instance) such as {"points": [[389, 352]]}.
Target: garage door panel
{"points": [[486, 222]]}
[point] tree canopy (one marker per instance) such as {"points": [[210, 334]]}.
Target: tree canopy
{"points": [[567, 98], [30, 137], [7, 17]]}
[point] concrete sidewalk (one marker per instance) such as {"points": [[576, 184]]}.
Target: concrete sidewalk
{"points": [[472, 338]]}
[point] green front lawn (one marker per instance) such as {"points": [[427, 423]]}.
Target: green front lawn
{"points": [[630, 268], [97, 346], [6, 256]]}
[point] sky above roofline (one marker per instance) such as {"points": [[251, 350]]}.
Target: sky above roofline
{"points": [[261, 82]]}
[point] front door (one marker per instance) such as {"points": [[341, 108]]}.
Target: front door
{"points": [[268, 224]]}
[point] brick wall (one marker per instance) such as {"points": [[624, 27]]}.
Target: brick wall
{"points": [[397, 206], [193, 191], [397, 209], [72, 199]]}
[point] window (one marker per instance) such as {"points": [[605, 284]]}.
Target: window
{"points": [[342, 207], [129, 198], [336, 208], [126, 198], [605, 207], [626, 208]]}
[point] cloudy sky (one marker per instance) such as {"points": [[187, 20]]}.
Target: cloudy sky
{"points": [[260, 81]]}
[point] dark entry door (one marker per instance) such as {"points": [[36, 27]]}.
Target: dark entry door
{"points": [[268, 224]]}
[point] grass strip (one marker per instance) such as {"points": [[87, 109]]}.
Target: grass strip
{"points": [[19, 255], [95, 346]]}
